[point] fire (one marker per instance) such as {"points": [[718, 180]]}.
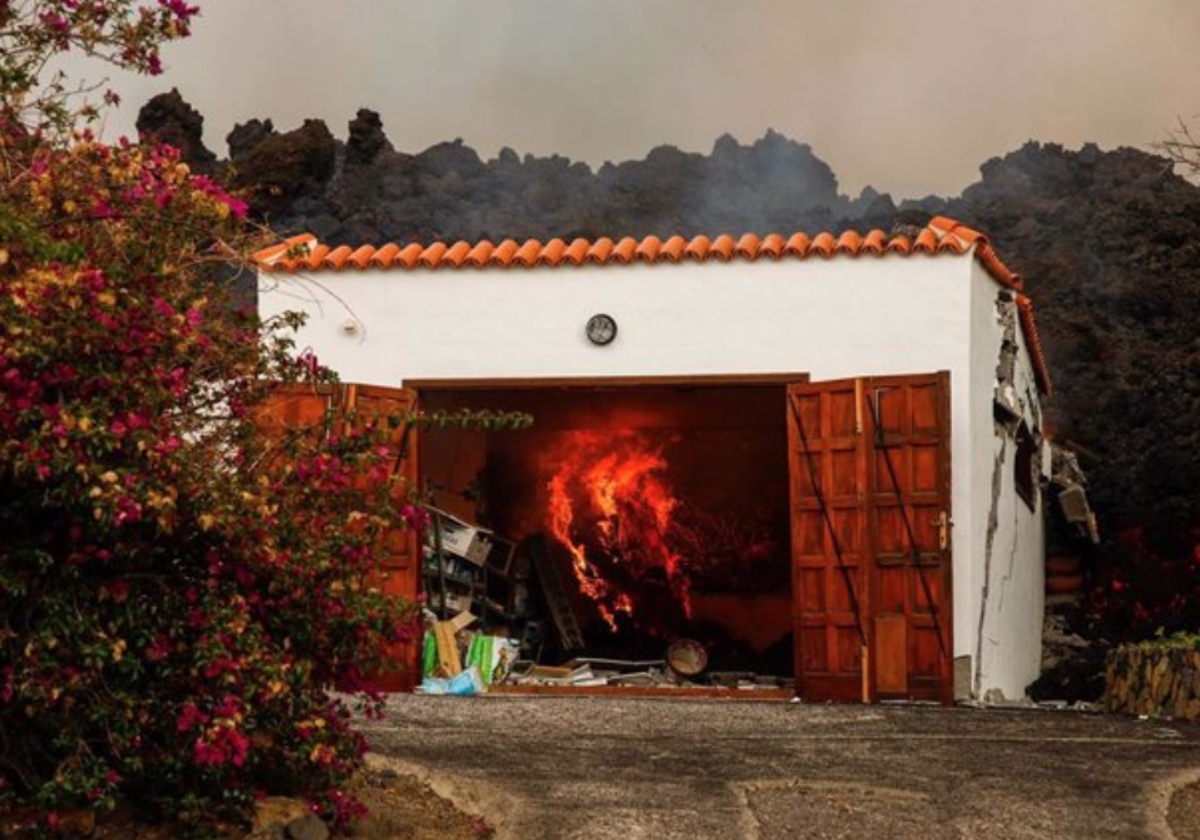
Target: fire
{"points": [[612, 506]]}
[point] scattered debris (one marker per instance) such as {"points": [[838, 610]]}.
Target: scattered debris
{"points": [[1068, 477], [483, 625], [687, 657], [462, 684]]}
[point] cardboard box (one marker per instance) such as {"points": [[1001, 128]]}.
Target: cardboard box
{"points": [[463, 539], [456, 602]]}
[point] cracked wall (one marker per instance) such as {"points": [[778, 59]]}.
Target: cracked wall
{"points": [[1008, 576]]}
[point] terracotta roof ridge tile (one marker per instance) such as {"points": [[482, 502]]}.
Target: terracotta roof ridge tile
{"points": [[479, 255], [798, 245], [577, 251], [337, 257], [503, 255], [648, 249], [432, 255], [698, 248], [552, 252], [599, 251], [361, 256], [849, 243], [316, 255], [408, 255], [624, 250], [875, 241], [673, 249], [824, 244], [723, 247], [382, 258], [527, 254], [772, 246]]}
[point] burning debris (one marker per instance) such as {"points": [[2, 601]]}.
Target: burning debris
{"points": [[613, 508]]}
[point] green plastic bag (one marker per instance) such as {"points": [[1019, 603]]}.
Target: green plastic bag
{"points": [[429, 657]]}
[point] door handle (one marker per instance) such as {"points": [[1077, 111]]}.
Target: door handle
{"points": [[942, 521]]}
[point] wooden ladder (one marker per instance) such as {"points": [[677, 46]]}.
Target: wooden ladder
{"points": [[553, 590]]}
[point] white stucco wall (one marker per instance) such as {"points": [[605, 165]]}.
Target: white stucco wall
{"points": [[829, 318], [835, 318], [1006, 627]]}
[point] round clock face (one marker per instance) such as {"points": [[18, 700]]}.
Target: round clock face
{"points": [[601, 329]]}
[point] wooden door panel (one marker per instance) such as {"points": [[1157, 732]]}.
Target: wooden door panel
{"points": [[869, 462], [847, 524], [892, 589], [808, 536], [306, 410], [908, 427], [295, 410], [810, 590], [813, 647], [925, 474], [924, 411], [848, 645], [392, 411], [828, 550], [841, 594], [891, 654], [841, 417], [924, 656], [935, 588]]}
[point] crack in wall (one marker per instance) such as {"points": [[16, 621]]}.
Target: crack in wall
{"points": [[1012, 560], [992, 526]]}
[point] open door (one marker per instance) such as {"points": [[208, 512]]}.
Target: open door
{"points": [[828, 478], [372, 406], [870, 482], [908, 429]]}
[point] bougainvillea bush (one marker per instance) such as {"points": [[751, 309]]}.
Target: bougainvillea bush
{"points": [[178, 591]]}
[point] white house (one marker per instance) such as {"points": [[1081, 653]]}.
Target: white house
{"points": [[879, 395]]}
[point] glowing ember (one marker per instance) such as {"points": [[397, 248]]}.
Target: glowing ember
{"points": [[612, 507]]}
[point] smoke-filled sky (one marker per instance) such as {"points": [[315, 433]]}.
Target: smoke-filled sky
{"points": [[909, 96]]}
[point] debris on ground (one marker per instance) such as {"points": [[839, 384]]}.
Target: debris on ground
{"points": [[490, 601]]}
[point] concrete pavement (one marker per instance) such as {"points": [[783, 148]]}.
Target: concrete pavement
{"points": [[588, 768]]}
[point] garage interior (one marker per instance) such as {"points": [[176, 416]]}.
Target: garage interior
{"points": [[663, 505]]}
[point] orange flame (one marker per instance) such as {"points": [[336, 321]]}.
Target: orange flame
{"points": [[612, 507]]}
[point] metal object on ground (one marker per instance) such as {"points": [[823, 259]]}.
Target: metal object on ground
{"points": [[687, 657]]}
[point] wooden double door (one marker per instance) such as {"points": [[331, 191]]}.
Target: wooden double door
{"points": [[325, 409], [870, 494]]}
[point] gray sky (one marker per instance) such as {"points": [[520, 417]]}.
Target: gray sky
{"points": [[909, 96]]}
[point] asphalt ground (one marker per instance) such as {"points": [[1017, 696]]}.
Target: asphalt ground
{"points": [[592, 767]]}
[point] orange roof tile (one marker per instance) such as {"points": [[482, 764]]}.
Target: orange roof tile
{"points": [[303, 253]]}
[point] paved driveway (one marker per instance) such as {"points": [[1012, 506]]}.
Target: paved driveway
{"points": [[617, 768]]}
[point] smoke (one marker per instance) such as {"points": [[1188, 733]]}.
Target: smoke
{"points": [[905, 96]]}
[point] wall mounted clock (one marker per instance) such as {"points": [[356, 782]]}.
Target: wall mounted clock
{"points": [[601, 329]]}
